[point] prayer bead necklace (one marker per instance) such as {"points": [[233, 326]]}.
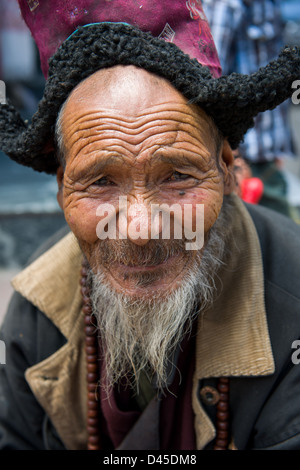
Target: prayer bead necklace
{"points": [[91, 351]]}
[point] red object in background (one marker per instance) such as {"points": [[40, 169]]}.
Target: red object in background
{"points": [[252, 190]]}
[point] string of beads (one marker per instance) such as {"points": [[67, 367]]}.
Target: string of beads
{"points": [[91, 350], [222, 423]]}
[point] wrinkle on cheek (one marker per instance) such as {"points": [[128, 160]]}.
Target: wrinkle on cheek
{"points": [[211, 199], [81, 217]]}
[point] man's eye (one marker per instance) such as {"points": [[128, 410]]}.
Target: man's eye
{"points": [[104, 181], [177, 176]]}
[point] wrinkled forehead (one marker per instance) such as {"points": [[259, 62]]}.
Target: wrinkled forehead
{"points": [[133, 105]]}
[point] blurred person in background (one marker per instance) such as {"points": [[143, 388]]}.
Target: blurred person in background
{"points": [[249, 34]]}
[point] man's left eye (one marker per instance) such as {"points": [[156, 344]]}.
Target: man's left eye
{"points": [[177, 176]]}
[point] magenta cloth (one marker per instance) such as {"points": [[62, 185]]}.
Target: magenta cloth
{"points": [[180, 21]]}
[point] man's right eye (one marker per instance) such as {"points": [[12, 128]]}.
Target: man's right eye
{"points": [[104, 181]]}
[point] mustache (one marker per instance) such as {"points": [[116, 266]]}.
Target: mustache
{"points": [[128, 253]]}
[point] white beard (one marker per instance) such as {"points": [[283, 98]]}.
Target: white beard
{"points": [[142, 334]]}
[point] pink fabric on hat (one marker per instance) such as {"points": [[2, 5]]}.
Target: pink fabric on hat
{"points": [[179, 21]]}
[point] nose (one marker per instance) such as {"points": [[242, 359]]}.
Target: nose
{"points": [[135, 224]]}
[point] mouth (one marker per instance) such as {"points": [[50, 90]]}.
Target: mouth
{"points": [[135, 268], [147, 280]]}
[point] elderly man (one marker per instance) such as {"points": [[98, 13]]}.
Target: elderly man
{"points": [[119, 337]]}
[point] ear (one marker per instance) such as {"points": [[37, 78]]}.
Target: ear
{"points": [[227, 165], [60, 184]]}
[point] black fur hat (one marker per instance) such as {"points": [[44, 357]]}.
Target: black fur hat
{"points": [[232, 101]]}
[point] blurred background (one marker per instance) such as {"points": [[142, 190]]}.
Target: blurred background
{"points": [[29, 212], [290, 10]]}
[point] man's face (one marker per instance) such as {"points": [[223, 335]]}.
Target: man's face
{"points": [[128, 133]]}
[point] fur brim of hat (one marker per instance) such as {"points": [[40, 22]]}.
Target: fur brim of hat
{"points": [[232, 101]]}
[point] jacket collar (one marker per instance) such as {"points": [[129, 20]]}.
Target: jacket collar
{"points": [[51, 283], [232, 338]]}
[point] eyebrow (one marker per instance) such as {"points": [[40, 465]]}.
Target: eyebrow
{"points": [[175, 160], [97, 165], [106, 160], [181, 160]]}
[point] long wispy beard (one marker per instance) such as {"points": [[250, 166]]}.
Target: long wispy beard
{"points": [[141, 334]]}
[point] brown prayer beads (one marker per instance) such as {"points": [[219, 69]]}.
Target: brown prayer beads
{"points": [[91, 350], [222, 425]]}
